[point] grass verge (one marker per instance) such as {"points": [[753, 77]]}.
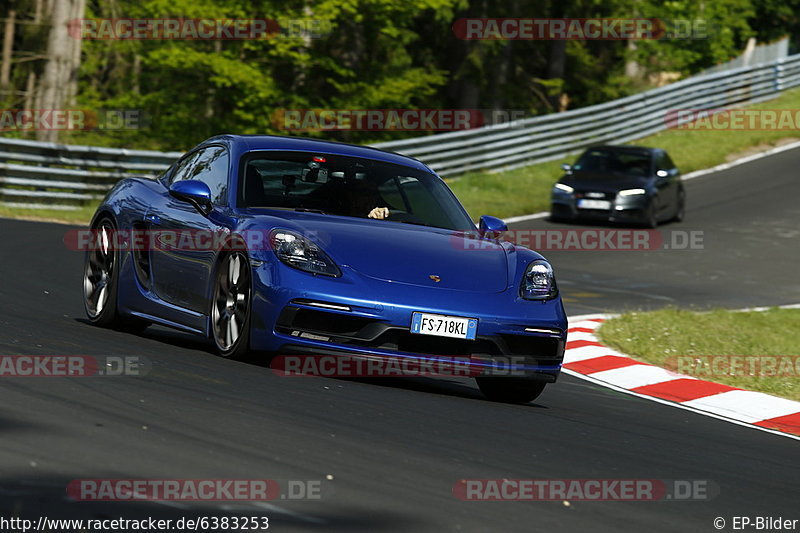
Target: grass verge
{"points": [[697, 343], [527, 190], [80, 217]]}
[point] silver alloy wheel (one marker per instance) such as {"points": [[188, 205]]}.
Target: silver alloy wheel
{"points": [[231, 301], [99, 271]]}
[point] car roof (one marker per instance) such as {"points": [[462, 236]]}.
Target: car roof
{"points": [[242, 144], [625, 148]]}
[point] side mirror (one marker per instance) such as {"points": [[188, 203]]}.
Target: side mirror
{"points": [[195, 192], [662, 173], [566, 167], [491, 226]]}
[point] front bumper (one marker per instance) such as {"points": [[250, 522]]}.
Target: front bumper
{"points": [[295, 312], [631, 209]]}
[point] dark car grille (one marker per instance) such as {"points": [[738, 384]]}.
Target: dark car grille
{"points": [[341, 328], [596, 195]]}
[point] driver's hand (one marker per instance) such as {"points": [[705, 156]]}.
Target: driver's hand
{"points": [[380, 213]]}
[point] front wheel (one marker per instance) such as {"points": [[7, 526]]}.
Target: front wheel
{"points": [[510, 390], [230, 306], [100, 281], [100, 276]]}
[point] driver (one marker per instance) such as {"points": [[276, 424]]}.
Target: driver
{"points": [[361, 199]]}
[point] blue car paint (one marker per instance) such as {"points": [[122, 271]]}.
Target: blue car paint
{"points": [[385, 265]]}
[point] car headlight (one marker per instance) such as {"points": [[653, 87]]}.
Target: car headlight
{"points": [[539, 282], [300, 253], [560, 187], [631, 192]]}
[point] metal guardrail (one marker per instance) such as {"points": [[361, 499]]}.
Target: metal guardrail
{"points": [[62, 176], [549, 137], [36, 174]]}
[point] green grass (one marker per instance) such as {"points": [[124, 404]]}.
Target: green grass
{"points": [[660, 337], [527, 190], [79, 217]]}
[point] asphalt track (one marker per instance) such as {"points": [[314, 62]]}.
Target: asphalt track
{"points": [[395, 448]]}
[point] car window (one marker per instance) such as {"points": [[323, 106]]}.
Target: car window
{"points": [[348, 186], [181, 169], [209, 165], [414, 197], [634, 163], [664, 162], [625, 162]]}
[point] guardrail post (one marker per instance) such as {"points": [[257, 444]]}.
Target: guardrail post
{"points": [[778, 70]]}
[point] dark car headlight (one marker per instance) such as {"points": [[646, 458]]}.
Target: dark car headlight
{"points": [[560, 188], [298, 252], [631, 192], [538, 282]]}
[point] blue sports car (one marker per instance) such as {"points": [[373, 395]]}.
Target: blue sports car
{"points": [[283, 245]]}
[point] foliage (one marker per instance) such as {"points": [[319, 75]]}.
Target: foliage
{"points": [[376, 54]]}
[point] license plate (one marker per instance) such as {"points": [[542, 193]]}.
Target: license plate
{"points": [[444, 326], [585, 203]]}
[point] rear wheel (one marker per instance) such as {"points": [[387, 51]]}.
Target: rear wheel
{"points": [[650, 217], [510, 390], [680, 214], [230, 306]]}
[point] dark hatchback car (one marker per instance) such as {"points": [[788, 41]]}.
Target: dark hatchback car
{"points": [[630, 184]]}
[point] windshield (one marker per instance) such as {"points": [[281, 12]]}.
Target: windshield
{"points": [[349, 186], [614, 161]]}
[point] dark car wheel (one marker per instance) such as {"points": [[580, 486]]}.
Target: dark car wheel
{"points": [[100, 281], [650, 216], [680, 214], [230, 306], [510, 390]]}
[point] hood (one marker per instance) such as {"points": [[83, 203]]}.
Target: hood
{"points": [[401, 253], [603, 182]]}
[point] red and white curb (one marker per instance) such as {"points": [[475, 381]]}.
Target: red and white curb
{"points": [[586, 357]]}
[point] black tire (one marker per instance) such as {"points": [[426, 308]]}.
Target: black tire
{"points": [[230, 312], [651, 217], [553, 217], [101, 271], [680, 214], [510, 390], [100, 276]]}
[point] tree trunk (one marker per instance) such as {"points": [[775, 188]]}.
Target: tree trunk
{"points": [[632, 67], [8, 47], [556, 68], [78, 8], [60, 76]]}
